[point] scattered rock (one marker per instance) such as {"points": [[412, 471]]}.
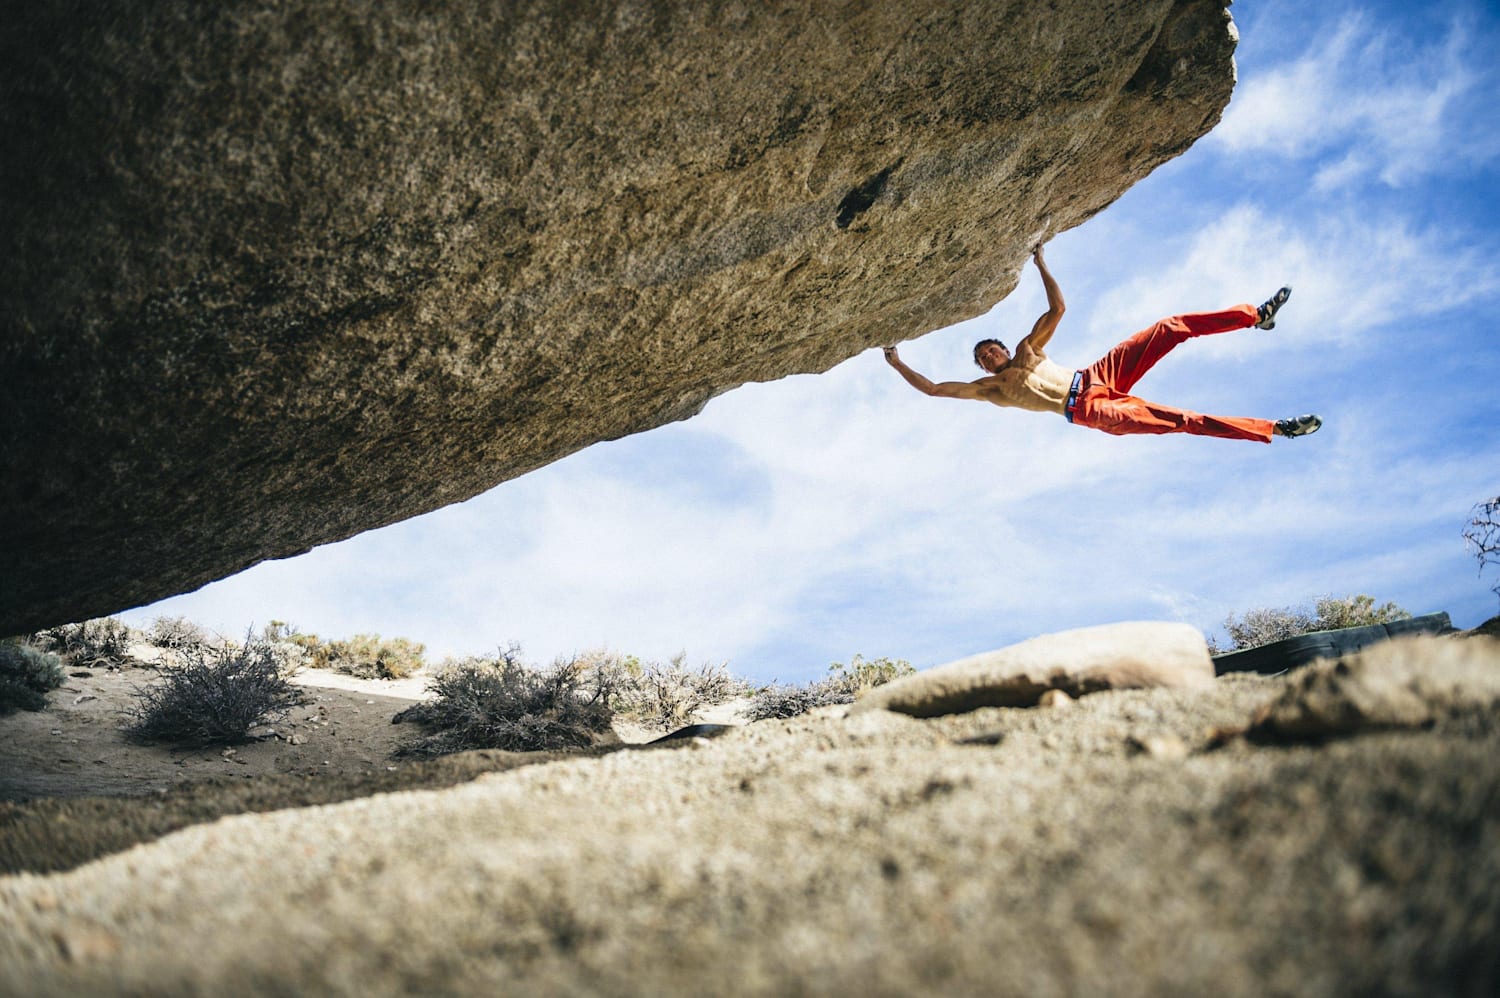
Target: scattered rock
{"points": [[1160, 746], [1086, 660], [1054, 698]]}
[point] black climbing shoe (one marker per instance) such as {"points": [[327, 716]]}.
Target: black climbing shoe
{"points": [[1266, 314], [1299, 426]]}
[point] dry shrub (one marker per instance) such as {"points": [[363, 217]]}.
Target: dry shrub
{"points": [[669, 695], [101, 643], [843, 685], [367, 656], [1268, 625], [176, 633], [781, 701], [1482, 535], [500, 703], [27, 675], [861, 674], [215, 696]]}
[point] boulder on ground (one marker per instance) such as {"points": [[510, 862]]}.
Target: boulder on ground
{"points": [[1086, 660]]}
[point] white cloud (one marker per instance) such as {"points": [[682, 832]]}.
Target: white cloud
{"points": [[1351, 271], [1384, 106]]}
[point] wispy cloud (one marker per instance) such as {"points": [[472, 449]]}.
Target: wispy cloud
{"points": [[1397, 109]]}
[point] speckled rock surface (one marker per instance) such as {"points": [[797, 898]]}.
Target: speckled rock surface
{"points": [[1383, 687], [1129, 655], [272, 274], [1112, 848]]}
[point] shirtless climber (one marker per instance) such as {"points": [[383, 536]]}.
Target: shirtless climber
{"points": [[1099, 395]]}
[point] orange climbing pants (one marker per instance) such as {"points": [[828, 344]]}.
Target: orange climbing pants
{"points": [[1101, 399]]}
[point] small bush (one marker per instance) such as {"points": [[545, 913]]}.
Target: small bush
{"points": [[174, 633], [610, 678], [27, 675], [103, 642], [843, 685], [1482, 535], [781, 701], [860, 675], [1270, 624], [1354, 611], [214, 697], [669, 695], [500, 703], [367, 656]]}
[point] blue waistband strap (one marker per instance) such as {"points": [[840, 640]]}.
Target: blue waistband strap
{"points": [[1072, 402]]}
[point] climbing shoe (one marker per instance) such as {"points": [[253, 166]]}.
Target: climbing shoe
{"points": [[1299, 426], [1266, 314]]}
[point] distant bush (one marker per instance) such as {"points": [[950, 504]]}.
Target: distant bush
{"points": [[215, 696], [99, 643], [669, 695], [610, 678], [782, 700], [844, 684], [860, 675], [1270, 624], [367, 656], [499, 703], [1482, 535], [174, 633], [27, 675]]}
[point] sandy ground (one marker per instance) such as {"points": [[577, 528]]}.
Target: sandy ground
{"points": [[77, 746], [1128, 843], [342, 730]]}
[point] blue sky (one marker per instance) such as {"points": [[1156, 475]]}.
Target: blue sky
{"points": [[795, 523]]}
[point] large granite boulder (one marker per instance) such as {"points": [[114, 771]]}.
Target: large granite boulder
{"points": [[1139, 654], [272, 274]]}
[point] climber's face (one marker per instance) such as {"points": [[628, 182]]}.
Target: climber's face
{"points": [[991, 356]]}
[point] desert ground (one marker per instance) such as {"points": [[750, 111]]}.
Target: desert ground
{"points": [[1128, 842]]}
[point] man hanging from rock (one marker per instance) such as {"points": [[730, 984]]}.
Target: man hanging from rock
{"points": [[1099, 395]]}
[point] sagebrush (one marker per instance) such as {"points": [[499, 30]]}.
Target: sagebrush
{"points": [[1267, 625], [669, 695], [103, 642], [500, 703], [367, 656], [175, 633], [843, 685], [27, 675], [214, 696]]}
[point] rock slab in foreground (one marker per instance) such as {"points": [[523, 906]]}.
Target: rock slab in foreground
{"points": [[272, 274], [1086, 660], [1390, 686], [876, 854]]}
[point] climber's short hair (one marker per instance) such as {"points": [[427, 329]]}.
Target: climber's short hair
{"points": [[981, 343]]}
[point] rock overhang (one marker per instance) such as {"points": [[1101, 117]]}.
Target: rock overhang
{"points": [[278, 274]]}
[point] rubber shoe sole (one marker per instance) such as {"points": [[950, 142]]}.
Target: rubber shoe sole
{"points": [[1299, 426], [1266, 314]]}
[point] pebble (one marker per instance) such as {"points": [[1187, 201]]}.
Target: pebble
{"points": [[1161, 746]]}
